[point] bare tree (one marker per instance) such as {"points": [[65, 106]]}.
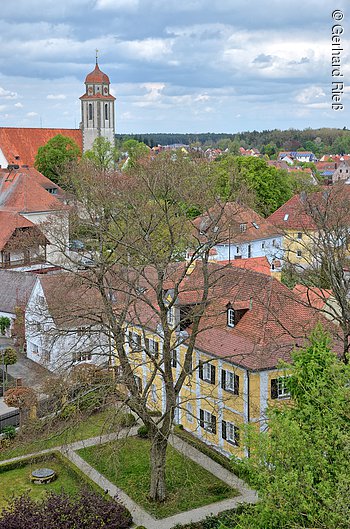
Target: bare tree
{"points": [[136, 230], [317, 255]]}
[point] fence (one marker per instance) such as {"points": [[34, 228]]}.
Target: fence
{"points": [[10, 418]]}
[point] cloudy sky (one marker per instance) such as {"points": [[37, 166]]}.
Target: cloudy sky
{"points": [[174, 65]]}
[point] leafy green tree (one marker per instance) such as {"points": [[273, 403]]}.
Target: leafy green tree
{"points": [[267, 187], [55, 155], [136, 150], [300, 465], [10, 357], [103, 154], [5, 324]]}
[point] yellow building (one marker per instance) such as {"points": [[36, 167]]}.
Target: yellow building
{"points": [[250, 324]]}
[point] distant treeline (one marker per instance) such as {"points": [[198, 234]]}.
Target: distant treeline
{"points": [[320, 141]]}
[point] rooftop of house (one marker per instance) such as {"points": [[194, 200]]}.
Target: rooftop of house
{"points": [[315, 297], [26, 190], [20, 145], [15, 289], [235, 223], [256, 264], [10, 221]]}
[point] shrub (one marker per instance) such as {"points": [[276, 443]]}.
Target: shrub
{"points": [[143, 432], [9, 432], [68, 411], [86, 509], [126, 419], [91, 401]]}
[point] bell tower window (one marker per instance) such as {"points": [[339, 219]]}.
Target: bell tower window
{"points": [[90, 110], [106, 111]]}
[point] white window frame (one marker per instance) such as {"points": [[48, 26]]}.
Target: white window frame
{"points": [[230, 433], [282, 391], [170, 316], [81, 356], [208, 421], [189, 412], [230, 381], [230, 317], [207, 372], [299, 254], [154, 396]]}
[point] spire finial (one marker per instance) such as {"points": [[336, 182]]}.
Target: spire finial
{"points": [[96, 55]]}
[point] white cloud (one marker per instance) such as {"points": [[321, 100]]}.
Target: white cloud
{"points": [[7, 94], [116, 5], [18, 105], [56, 96], [308, 95], [31, 114], [153, 50], [2, 107]]}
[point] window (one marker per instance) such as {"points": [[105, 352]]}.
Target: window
{"points": [[35, 349], [174, 358], [237, 249], [207, 372], [300, 235], [152, 347], [262, 245], [106, 111], [273, 242], [170, 316], [285, 218], [249, 250], [41, 300], [230, 317], [138, 383], [207, 421], [243, 227], [90, 111], [135, 341], [299, 253], [230, 381], [230, 432], [154, 393], [81, 357], [279, 388], [189, 412]]}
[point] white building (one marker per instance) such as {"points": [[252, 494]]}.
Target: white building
{"points": [[62, 324]]}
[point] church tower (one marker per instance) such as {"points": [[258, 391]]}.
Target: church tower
{"points": [[97, 109]]}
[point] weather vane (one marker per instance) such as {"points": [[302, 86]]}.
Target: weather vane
{"points": [[96, 55]]}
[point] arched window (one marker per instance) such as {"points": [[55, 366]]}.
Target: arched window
{"points": [[106, 111], [90, 110]]}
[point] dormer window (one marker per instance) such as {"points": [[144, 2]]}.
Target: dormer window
{"points": [[243, 227], [230, 317]]}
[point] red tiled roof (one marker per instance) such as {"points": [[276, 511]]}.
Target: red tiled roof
{"points": [[9, 222], [315, 297], [256, 264], [20, 145], [98, 96], [97, 76], [22, 191], [292, 215], [229, 218]]}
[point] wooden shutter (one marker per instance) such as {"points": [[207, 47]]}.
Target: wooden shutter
{"points": [[156, 347], [213, 424], [200, 370], [236, 436], [147, 344], [130, 339], [223, 381], [223, 430], [138, 340], [212, 374], [201, 418], [236, 389], [274, 388]]}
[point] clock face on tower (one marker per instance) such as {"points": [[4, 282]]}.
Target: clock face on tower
{"points": [[105, 90], [90, 90]]}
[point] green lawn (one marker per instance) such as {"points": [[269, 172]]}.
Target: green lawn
{"points": [[53, 435], [126, 464], [15, 481]]}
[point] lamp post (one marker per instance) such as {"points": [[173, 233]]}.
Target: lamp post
{"points": [[3, 370]]}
